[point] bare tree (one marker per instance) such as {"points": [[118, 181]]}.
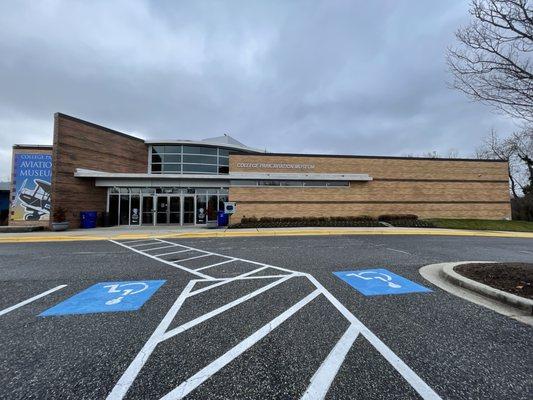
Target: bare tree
{"points": [[521, 144], [493, 63], [518, 150]]}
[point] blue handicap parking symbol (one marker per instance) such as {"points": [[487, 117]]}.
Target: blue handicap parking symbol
{"points": [[107, 297], [372, 282]]}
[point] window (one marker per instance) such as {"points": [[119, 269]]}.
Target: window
{"points": [[199, 169], [287, 183], [200, 150], [269, 183], [200, 159], [243, 183], [124, 209], [291, 183], [172, 158], [172, 149], [113, 210], [171, 168], [338, 183], [314, 183], [168, 159]]}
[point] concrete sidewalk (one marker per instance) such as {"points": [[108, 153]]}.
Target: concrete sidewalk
{"points": [[120, 233]]}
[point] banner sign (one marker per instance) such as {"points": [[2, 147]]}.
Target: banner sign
{"points": [[32, 181]]}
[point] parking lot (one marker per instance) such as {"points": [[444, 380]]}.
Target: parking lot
{"points": [[254, 318]]}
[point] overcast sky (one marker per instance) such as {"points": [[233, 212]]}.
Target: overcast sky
{"points": [[348, 77]]}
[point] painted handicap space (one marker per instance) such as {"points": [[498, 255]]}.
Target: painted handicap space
{"points": [[107, 297], [374, 282]]}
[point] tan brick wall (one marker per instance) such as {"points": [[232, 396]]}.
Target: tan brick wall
{"points": [[428, 188], [382, 168], [423, 210], [79, 144]]}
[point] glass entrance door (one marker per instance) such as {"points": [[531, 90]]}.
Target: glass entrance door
{"points": [[188, 210], [162, 209], [174, 209], [148, 212]]}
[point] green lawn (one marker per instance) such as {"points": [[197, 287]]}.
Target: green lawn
{"points": [[483, 224]]}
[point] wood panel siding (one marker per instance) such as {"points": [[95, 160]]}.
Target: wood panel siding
{"points": [[80, 144], [426, 187]]}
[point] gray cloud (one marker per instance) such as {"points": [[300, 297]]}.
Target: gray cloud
{"points": [[323, 76]]}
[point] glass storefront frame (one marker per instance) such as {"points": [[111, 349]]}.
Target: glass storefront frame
{"points": [[128, 206]]}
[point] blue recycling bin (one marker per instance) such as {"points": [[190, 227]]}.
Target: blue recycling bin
{"points": [[88, 219], [222, 218]]}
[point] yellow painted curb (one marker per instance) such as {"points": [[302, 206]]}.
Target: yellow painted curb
{"points": [[270, 232]]}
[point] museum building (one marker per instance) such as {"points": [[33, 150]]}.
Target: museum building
{"points": [[131, 181]]}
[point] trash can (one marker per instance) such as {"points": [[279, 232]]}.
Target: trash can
{"points": [[88, 219], [222, 218]]}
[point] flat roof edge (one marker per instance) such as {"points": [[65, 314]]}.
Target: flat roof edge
{"points": [[32, 146], [202, 143], [377, 157]]}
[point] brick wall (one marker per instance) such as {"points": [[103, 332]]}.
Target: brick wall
{"points": [[426, 187], [80, 144]]}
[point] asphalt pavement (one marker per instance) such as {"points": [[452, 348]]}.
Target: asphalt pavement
{"points": [[255, 318]]}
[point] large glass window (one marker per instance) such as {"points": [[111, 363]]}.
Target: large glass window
{"points": [[199, 168], [113, 209], [185, 159], [221, 200], [212, 207], [199, 159], [124, 209], [135, 210], [171, 168], [290, 183], [163, 205], [148, 214], [201, 209], [200, 150]]}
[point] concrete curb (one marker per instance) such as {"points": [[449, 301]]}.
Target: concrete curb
{"points": [[102, 234], [448, 273]]}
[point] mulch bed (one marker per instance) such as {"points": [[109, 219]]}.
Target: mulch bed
{"points": [[515, 278]]}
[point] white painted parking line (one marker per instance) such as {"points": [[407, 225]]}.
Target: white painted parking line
{"points": [[216, 265], [143, 244], [398, 251], [324, 376], [164, 261], [27, 301], [125, 381], [407, 373], [205, 373], [220, 310], [172, 252], [158, 248], [195, 257], [137, 241], [225, 281]]}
